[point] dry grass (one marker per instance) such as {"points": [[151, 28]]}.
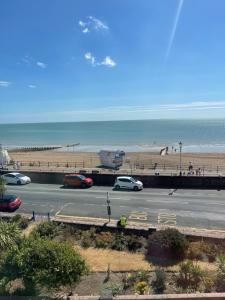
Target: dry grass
{"points": [[30, 228], [98, 260], [120, 261]]}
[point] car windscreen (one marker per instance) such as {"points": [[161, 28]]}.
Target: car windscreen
{"points": [[7, 198], [82, 177], [19, 175]]}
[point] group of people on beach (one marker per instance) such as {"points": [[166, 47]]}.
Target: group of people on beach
{"points": [[197, 172]]}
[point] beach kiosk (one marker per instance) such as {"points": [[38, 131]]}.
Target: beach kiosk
{"points": [[4, 157], [111, 159]]}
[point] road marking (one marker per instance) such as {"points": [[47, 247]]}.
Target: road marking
{"points": [[138, 215], [62, 207], [167, 219]]}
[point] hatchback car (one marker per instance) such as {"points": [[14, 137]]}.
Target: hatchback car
{"points": [[16, 178], [127, 182], [77, 180], [9, 203]]}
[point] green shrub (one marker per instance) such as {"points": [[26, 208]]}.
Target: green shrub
{"points": [[120, 242], [21, 221], [42, 262], [141, 287], [168, 243], [86, 240], [159, 284], [133, 243], [47, 230], [220, 280], [115, 288], [131, 279], [211, 251], [190, 276], [104, 240], [196, 250]]}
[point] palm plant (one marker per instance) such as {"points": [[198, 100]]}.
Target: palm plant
{"points": [[9, 235]]}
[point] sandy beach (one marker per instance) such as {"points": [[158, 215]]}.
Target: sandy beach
{"points": [[207, 162]]}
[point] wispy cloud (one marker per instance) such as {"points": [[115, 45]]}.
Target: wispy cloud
{"points": [[174, 28], [92, 23], [88, 56], [41, 64], [208, 109], [98, 24], [4, 83], [107, 61], [32, 86], [27, 60]]}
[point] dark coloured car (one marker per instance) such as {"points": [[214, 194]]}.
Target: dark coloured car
{"points": [[77, 180], [9, 203]]}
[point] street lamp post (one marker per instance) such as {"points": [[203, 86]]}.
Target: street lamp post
{"points": [[180, 146]]}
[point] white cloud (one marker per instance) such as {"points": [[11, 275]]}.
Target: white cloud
{"points": [[108, 61], [41, 65], [32, 86], [90, 58], [85, 30], [98, 24], [4, 83], [92, 23], [81, 23]]}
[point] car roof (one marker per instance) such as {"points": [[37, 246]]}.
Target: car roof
{"points": [[13, 173], [124, 177], [8, 198]]}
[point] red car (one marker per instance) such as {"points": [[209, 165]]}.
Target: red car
{"points": [[9, 203], [77, 180]]}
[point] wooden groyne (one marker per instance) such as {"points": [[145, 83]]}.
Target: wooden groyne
{"points": [[39, 148]]}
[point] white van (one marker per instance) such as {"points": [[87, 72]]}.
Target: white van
{"points": [[127, 182]]}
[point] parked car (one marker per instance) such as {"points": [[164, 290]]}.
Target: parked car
{"points": [[77, 180], [16, 178], [127, 182], [9, 203]]}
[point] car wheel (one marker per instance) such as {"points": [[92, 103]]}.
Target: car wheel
{"points": [[83, 185], [117, 187], [19, 182], [135, 188]]}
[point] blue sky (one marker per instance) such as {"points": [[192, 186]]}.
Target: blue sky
{"points": [[66, 60]]}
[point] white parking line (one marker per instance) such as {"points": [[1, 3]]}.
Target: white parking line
{"points": [[62, 207]]}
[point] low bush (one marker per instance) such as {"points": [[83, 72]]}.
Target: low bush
{"points": [[220, 280], [159, 283], [168, 243], [86, 240], [141, 287], [130, 279], [190, 277], [211, 251], [47, 230], [21, 221], [104, 240], [133, 243], [115, 288], [119, 242]]}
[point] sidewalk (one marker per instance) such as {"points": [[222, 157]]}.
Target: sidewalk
{"points": [[139, 226]]}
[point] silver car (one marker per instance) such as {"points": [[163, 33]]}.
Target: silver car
{"points": [[16, 178], [127, 182]]}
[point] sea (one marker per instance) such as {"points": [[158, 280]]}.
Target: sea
{"points": [[130, 136]]}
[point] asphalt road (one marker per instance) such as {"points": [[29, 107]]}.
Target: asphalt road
{"points": [[193, 208]]}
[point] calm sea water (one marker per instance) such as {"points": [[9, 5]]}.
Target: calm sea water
{"points": [[143, 135]]}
